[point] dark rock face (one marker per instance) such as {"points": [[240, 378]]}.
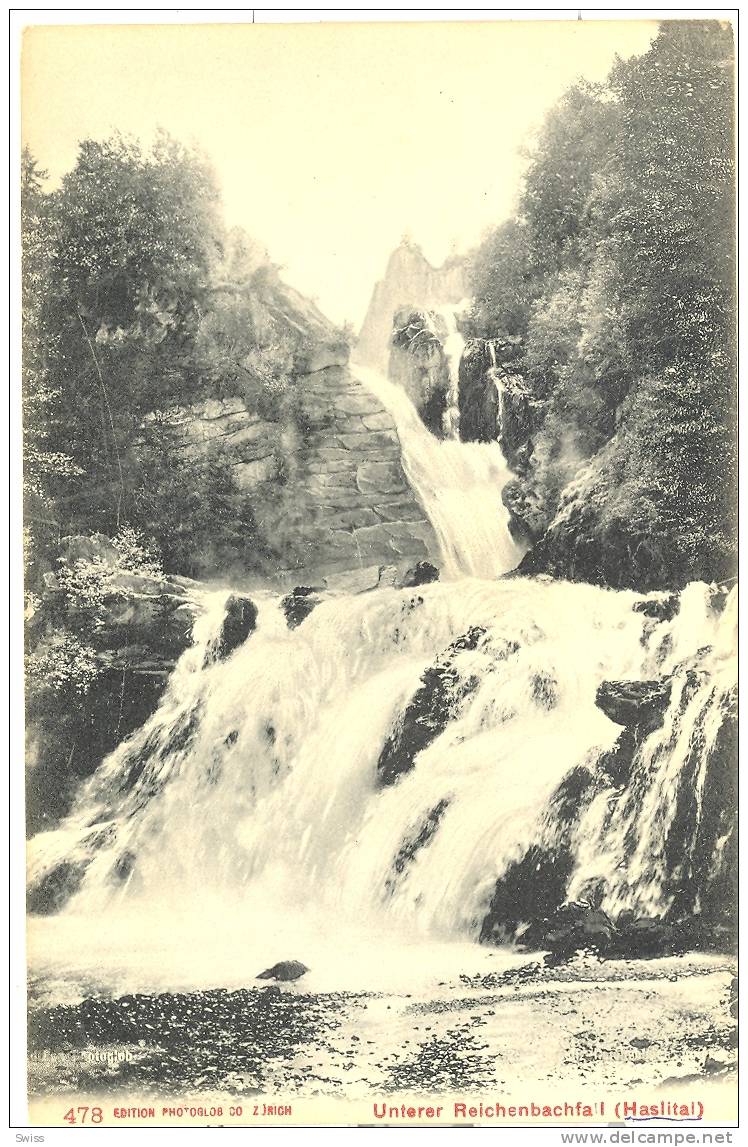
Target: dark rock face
{"points": [[495, 403], [285, 971], [519, 417], [478, 397], [299, 603], [576, 546], [48, 895], [645, 936], [410, 847], [581, 534], [419, 365], [699, 839], [572, 927], [534, 886], [634, 702], [699, 885], [530, 889], [239, 622], [437, 701]]}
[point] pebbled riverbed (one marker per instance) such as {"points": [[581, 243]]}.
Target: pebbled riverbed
{"points": [[607, 1023]]}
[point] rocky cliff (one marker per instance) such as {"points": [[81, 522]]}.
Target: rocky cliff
{"points": [[310, 454], [409, 281]]}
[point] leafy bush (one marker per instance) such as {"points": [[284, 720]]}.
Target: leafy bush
{"points": [[61, 664]]}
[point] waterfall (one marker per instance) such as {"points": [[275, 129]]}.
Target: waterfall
{"points": [[496, 378], [362, 784], [453, 346], [459, 485], [250, 812]]}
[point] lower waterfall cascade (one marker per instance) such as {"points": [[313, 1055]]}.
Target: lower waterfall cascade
{"points": [[253, 810], [254, 792]]}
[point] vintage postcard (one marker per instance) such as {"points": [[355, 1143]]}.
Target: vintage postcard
{"points": [[379, 400]]}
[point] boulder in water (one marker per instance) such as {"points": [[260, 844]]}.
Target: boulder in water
{"points": [[284, 971], [633, 702], [239, 622], [574, 927], [659, 608], [420, 574], [639, 936], [299, 603]]}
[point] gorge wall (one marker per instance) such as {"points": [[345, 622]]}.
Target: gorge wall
{"points": [[309, 452]]}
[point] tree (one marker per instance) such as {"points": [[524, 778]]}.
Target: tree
{"points": [[624, 279], [136, 237]]}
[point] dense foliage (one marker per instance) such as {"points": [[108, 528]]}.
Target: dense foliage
{"points": [[139, 308], [612, 295], [137, 302]]}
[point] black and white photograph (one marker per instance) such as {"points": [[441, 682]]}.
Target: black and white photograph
{"points": [[379, 394]]}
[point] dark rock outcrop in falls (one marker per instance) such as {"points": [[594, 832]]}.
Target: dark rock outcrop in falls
{"points": [[52, 892], [437, 700], [664, 608], [495, 403], [418, 363], [414, 843], [422, 573], [688, 765], [534, 885], [478, 397], [634, 702], [299, 603], [240, 620]]}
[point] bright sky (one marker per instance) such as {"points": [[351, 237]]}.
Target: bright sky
{"points": [[330, 141]]}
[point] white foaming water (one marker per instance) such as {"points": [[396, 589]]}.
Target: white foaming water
{"points": [[453, 346], [495, 376], [247, 822], [459, 485]]}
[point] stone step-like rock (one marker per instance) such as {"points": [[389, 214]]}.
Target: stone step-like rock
{"points": [[375, 439], [359, 402], [381, 478], [406, 510], [336, 465]]}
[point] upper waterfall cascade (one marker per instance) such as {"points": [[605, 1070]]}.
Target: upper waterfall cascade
{"points": [[459, 485], [453, 345]]}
